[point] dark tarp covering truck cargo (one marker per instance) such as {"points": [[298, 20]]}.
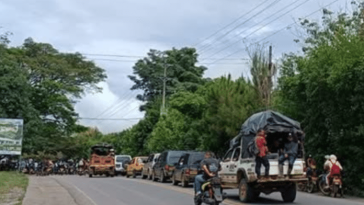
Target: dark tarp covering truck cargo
{"points": [[270, 121]]}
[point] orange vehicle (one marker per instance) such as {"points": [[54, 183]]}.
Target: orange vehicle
{"points": [[135, 166], [102, 160]]}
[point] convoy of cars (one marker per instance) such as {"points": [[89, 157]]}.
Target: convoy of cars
{"points": [[237, 166]]}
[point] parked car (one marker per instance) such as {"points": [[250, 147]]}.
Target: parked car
{"points": [[165, 165], [119, 161], [135, 166], [148, 167], [187, 168]]}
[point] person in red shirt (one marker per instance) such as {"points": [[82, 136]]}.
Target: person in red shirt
{"points": [[261, 157]]}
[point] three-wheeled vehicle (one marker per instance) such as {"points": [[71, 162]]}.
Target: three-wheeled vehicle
{"points": [[102, 160]]}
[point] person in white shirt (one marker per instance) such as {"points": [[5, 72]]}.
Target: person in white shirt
{"points": [[334, 168]]}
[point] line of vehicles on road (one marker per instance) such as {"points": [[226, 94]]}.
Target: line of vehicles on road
{"points": [[237, 166]]}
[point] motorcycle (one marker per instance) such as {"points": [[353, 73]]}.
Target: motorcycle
{"points": [[30, 168], [336, 186], [211, 192], [312, 182], [62, 168], [71, 169]]}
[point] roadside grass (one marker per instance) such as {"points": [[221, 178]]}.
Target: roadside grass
{"points": [[12, 187]]}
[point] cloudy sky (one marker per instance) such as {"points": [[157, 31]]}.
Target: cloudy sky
{"points": [[132, 27]]}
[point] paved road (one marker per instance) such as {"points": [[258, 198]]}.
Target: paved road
{"points": [[123, 191]]}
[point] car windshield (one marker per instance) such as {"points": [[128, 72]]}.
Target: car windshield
{"points": [[122, 159]]}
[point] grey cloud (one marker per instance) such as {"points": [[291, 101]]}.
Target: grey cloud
{"points": [[133, 27]]}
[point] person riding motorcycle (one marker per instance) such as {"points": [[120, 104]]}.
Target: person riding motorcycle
{"points": [[311, 166], [209, 165], [334, 168]]}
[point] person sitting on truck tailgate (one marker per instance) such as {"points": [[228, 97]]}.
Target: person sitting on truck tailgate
{"points": [[290, 154], [261, 158]]}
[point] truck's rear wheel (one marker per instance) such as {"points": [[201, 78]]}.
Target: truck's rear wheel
{"points": [[246, 192], [289, 194]]}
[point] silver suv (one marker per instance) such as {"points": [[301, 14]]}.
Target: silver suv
{"points": [[119, 161], [148, 167]]}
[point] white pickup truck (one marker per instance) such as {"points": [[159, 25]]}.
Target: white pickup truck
{"points": [[238, 164]]}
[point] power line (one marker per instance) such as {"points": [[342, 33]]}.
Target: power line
{"points": [[89, 118], [229, 24], [105, 59], [126, 56], [234, 43], [118, 101], [113, 55], [243, 59], [123, 105], [259, 12], [274, 32]]}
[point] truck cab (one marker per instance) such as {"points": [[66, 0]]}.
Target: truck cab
{"points": [[238, 164]]}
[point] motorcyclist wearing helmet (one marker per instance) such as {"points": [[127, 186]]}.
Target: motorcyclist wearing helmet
{"points": [[334, 167], [209, 165]]}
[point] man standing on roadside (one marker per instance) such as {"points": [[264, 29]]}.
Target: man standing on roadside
{"points": [[261, 158]]}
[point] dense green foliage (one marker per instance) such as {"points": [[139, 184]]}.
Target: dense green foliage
{"points": [[324, 89], [181, 73], [40, 85]]}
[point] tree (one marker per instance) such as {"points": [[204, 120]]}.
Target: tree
{"points": [[181, 72], [179, 128], [262, 72], [41, 85], [229, 103], [323, 88]]}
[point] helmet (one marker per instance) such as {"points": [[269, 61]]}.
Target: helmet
{"points": [[327, 157], [333, 157], [111, 150]]}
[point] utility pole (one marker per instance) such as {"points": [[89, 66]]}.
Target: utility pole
{"points": [[164, 87], [163, 109], [270, 60], [269, 83]]}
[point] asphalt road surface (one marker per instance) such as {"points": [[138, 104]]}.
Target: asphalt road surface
{"points": [[124, 191]]}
